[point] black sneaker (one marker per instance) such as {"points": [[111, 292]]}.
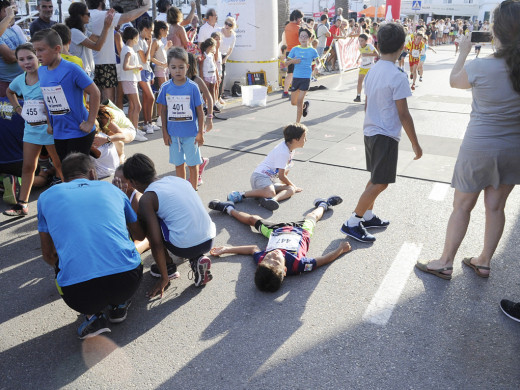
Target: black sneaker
{"points": [[358, 99], [201, 273], [357, 233], [334, 200], [269, 203], [94, 326], [511, 309], [319, 201], [172, 271], [285, 95], [306, 105], [216, 109], [117, 314], [375, 222], [217, 205]]}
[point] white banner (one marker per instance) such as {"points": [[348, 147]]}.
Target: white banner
{"points": [[244, 13]]}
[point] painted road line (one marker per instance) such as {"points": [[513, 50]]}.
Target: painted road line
{"points": [[383, 303], [439, 192]]}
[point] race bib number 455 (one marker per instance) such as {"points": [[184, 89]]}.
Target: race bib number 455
{"points": [[33, 112], [179, 108], [56, 100]]}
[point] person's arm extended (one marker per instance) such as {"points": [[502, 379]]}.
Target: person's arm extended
{"points": [[293, 61], [7, 54], [148, 205], [190, 16], [98, 42], [282, 175], [48, 250], [458, 75], [136, 231], [134, 14], [209, 102], [408, 126], [343, 247], [94, 99], [234, 250]]}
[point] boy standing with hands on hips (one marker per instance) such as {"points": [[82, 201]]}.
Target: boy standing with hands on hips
{"points": [[182, 117], [386, 110]]}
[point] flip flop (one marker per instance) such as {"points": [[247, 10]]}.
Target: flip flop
{"points": [[422, 265], [476, 268]]}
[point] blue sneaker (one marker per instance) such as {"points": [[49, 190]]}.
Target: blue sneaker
{"points": [[357, 233], [93, 326], [235, 197], [375, 222]]}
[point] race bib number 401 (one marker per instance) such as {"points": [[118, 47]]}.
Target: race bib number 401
{"points": [[179, 108], [33, 112], [56, 100]]}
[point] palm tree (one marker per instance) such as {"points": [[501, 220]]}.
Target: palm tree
{"points": [[283, 16], [342, 4]]}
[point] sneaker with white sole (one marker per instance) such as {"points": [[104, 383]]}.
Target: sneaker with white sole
{"points": [[201, 273], [357, 232], [235, 197], [94, 326], [510, 309], [148, 129], [117, 314], [170, 267], [217, 205], [140, 136], [154, 126], [375, 222]]}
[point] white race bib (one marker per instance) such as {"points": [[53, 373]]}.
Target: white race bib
{"points": [[288, 241], [416, 53], [33, 112], [56, 100], [179, 108], [366, 61]]}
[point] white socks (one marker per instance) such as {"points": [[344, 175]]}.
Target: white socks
{"points": [[368, 215], [353, 220]]}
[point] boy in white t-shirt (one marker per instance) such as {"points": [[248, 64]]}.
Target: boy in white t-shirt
{"points": [[386, 88], [275, 166]]}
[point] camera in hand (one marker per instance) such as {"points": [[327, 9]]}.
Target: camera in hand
{"points": [[481, 36]]}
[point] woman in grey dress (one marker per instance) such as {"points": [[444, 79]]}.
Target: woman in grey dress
{"points": [[489, 158]]}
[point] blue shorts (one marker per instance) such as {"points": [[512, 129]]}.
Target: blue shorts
{"points": [[301, 84], [146, 75], [184, 150]]}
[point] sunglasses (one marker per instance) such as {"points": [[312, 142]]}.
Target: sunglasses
{"points": [[229, 24]]}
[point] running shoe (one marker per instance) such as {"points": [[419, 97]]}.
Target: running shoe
{"points": [[411, 76], [413, 87], [55, 180], [420, 78], [18, 210], [94, 326], [306, 105], [285, 95], [140, 136], [148, 129], [12, 186], [269, 203], [358, 99], [235, 197], [510, 309], [202, 166], [331, 201], [158, 122], [217, 205], [201, 273], [154, 126], [216, 109], [357, 233], [117, 314], [170, 267], [375, 222]]}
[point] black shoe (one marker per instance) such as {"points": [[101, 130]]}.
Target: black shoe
{"points": [[269, 203], [171, 268], [201, 273], [375, 222], [334, 200], [216, 109], [217, 205], [285, 95], [358, 99], [511, 309], [117, 314], [306, 105], [357, 233], [97, 324]]}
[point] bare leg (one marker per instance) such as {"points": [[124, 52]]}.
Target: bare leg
{"points": [[148, 101], [316, 214], [134, 107], [194, 176], [299, 104], [283, 192], [288, 82], [30, 161], [119, 96], [368, 197], [55, 160], [108, 93], [180, 171], [245, 218]]}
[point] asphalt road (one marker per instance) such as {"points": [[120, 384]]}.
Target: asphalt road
{"points": [[367, 321]]}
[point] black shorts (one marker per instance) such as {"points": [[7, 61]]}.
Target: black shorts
{"points": [[192, 252], [301, 84], [105, 76], [94, 295], [381, 156], [403, 55], [81, 145]]}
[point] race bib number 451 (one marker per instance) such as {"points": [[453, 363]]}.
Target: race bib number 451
{"points": [[56, 100], [179, 108]]}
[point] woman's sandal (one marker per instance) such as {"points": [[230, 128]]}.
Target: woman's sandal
{"points": [[476, 268], [422, 265], [18, 210]]}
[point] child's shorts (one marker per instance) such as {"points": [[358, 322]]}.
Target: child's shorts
{"points": [[129, 87], [146, 76], [260, 181], [161, 72], [265, 227], [301, 84], [211, 79], [363, 70], [184, 150], [413, 61], [381, 157], [403, 55]]}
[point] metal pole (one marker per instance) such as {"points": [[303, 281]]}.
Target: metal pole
{"points": [[59, 10]]}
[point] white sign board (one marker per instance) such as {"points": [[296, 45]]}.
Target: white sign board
{"points": [[244, 13]]}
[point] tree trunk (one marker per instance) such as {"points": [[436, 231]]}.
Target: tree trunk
{"points": [[342, 4], [283, 16]]}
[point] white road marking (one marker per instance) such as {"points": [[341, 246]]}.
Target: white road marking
{"points": [[439, 192], [383, 303]]}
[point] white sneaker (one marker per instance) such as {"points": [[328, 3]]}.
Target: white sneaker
{"points": [[159, 122], [148, 129], [154, 126], [219, 106], [139, 136]]}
